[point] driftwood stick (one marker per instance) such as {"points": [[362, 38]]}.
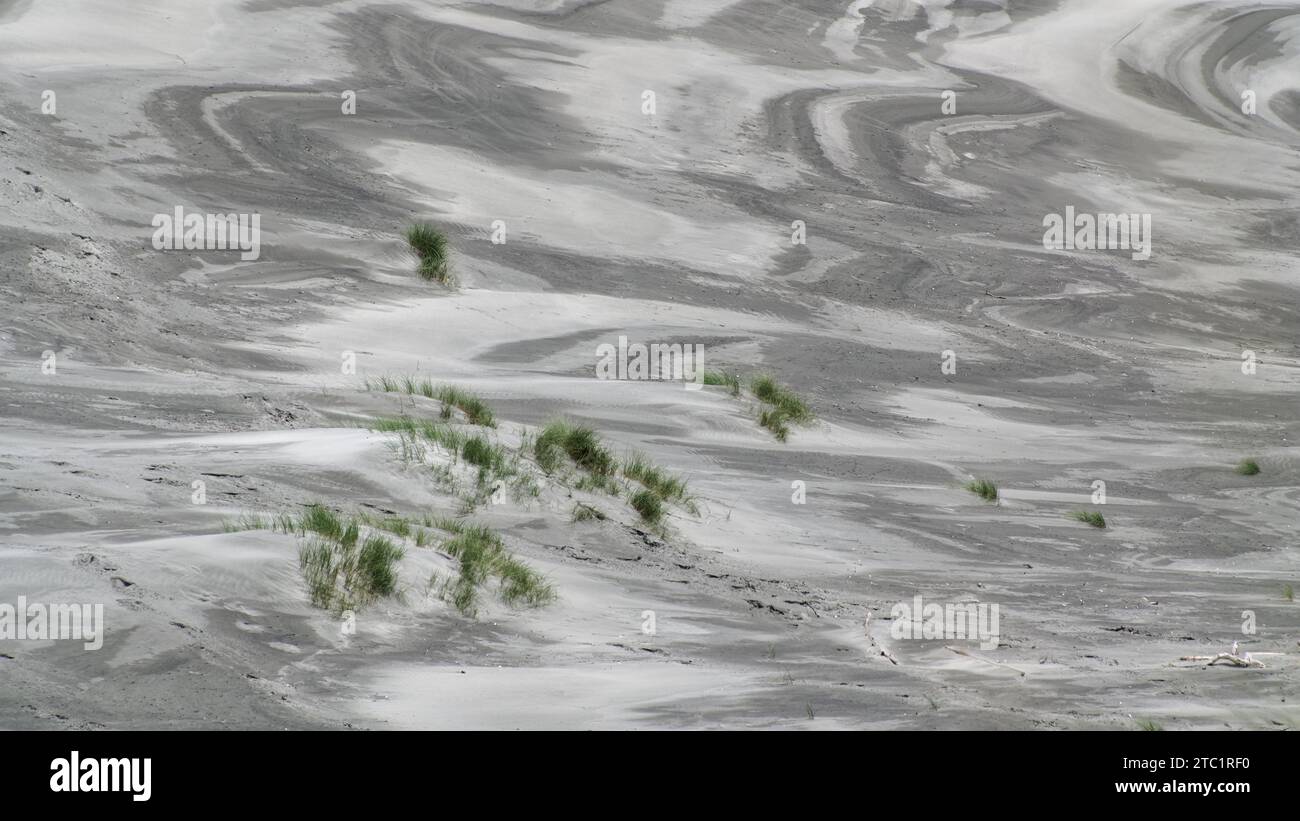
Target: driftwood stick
{"points": [[969, 654], [884, 651], [1230, 658]]}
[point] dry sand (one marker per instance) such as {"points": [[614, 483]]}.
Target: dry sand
{"points": [[924, 235]]}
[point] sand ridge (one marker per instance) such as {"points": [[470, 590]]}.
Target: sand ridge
{"points": [[924, 236]]}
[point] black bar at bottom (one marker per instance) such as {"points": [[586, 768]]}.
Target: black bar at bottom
{"points": [[375, 770]]}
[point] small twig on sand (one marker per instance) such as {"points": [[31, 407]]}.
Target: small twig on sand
{"points": [[1235, 660], [969, 654], [884, 651], [1232, 657]]}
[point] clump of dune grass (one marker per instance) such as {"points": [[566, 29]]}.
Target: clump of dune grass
{"points": [[519, 585], [476, 411], [346, 564], [384, 383], [729, 380], [487, 457], [399, 424], [780, 406], [257, 521], [495, 463], [423, 428], [430, 246], [377, 566], [1091, 517], [1148, 724], [399, 526], [584, 447], [349, 573], [649, 505], [668, 488], [791, 406], [482, 556], [444, 436], [413, 387], [1288, 593], [560, 440], [775, 421], [783, 406], [474, 408], [595, 483], [1248, 467], [984, 489], [585, 513], [342, 570], [324, 522], [580, 444], [396, 525]]}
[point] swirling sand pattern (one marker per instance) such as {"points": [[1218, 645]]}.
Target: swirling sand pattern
{"points": [[925, 230]]}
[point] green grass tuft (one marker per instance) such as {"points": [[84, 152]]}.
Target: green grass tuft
{"points": [[548, 447], [775, 421], [448, 438], [474, 408], [667, 487], [1091, 517], [789, 404], [1148, 724], [346, 569], [730, 380], [585, 449], [483, 454], [395, 525], [342, 570], [782, 406], [383, 383], [584, 513], [579, 443], [649, 505], [376, 570], [520, 585], [1248, 467], [592, 483], [984, 489], [326, 523], [320, 570], [431, 249], [249, 521], [483, 555], [494, 462], [1288, 593]]}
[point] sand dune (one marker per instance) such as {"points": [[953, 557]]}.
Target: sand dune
{"points": [[919, 144]]}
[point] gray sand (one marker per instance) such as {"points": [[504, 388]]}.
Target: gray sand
{"points": [[924, 235]]}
